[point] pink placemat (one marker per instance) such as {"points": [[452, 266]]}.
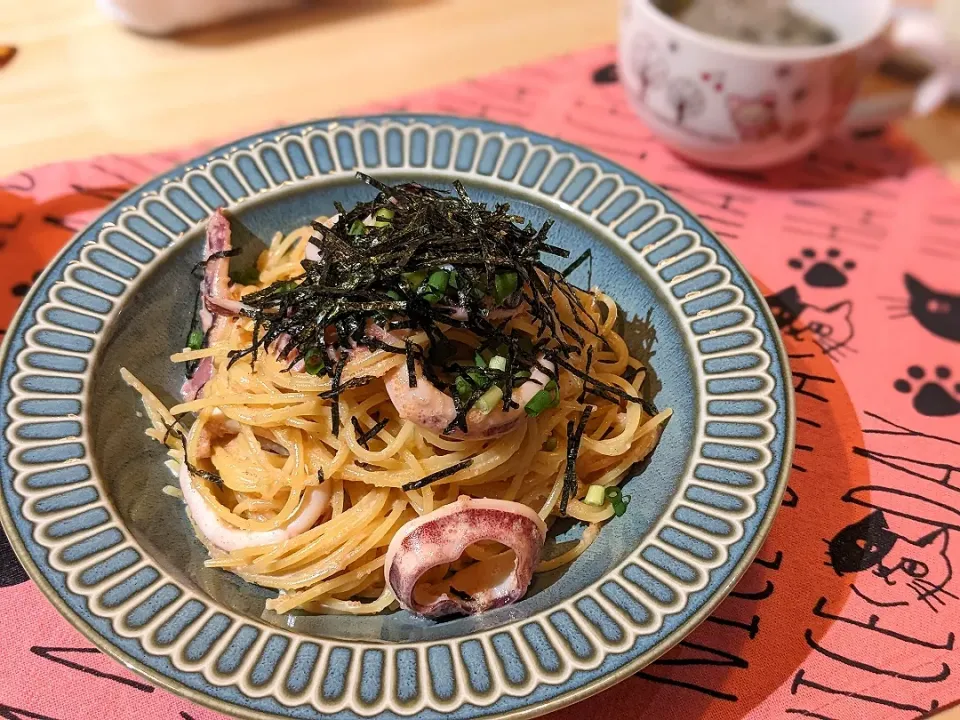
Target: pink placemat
{"points": [[849, 610]]}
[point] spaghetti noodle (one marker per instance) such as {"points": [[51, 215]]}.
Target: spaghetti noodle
{"points": [[325, 466]]}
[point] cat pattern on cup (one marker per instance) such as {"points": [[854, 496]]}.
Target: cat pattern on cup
{"points": [[754, 117]]}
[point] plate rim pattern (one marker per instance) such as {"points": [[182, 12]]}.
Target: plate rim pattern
{"points": [[665, 245]]}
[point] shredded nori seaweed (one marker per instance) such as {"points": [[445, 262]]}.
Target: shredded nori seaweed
{"points": [[423, 259], [364, 437], [574, 436], [172, 429], [350, 384], [463, 595], [438, 475], [363, 276], [205, 474], [232, 252]]}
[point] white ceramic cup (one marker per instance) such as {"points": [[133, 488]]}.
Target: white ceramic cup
{"points": [[728, 104]]}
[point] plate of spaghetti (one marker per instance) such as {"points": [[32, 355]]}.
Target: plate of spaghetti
{"points": [[392, 416]]}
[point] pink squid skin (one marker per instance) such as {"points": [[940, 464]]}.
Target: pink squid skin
{"points": [[426, 406], [215, 285], [442, 536], [460, 313]]}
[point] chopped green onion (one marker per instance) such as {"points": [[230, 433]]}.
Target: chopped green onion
{"points": [[479, 361], [357, 228], [195, 340], [383, 217], [544, 400], [504, 285], [438, 281], [551, 444], [498, 363], [618, 500], [415, 279], [479, 379], [489, 400], [466, 385], [250, 276], [463, 387], [595, 495], [313, 362]]}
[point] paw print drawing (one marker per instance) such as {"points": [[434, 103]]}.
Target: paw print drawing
{"points": [[934, 397], [828, 272]]}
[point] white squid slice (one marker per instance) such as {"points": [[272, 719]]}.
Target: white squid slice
{"points": [[441, 537], [313, 504], [226, 306]]}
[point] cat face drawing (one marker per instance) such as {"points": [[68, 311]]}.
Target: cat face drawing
{"points": [[831, 326], [892, 571], [898, 555], [938, 312], [754, 117]]}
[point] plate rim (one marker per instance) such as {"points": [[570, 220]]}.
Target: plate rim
{"points": [[563, 699]]}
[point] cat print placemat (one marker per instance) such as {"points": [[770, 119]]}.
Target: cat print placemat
{"points": [[851, 608]]}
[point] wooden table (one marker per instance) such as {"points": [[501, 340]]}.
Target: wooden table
{"points": [[80, 86]]}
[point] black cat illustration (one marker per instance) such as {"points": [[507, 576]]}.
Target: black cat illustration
{"points": [[605, 74], [899, 551], [938, 312], [831, 327], [901, 572]]}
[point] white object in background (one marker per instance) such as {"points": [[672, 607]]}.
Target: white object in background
{"points": [[934, 38], [162, 17], [729, 104]]}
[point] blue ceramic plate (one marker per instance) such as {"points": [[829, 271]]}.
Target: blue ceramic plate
{"points": [[81, 483]]}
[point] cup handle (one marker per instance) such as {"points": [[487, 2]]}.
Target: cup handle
{"points": [[920, 33]]}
